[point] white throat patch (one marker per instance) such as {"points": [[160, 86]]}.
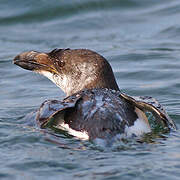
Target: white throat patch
{"points": [[61, 82], [71, 84]]}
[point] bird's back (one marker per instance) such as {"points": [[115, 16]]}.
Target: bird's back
{"points": [[101, 113]]}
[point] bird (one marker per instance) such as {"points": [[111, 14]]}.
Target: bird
{"points": [[94, 106]]}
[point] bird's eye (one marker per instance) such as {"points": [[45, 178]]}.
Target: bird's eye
{"points": [[59, 63]]}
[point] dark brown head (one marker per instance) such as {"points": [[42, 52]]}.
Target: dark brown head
{"points": [[71, 70]]}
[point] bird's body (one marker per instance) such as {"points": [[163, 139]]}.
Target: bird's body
{"points": [[96, 113], [94, 107]]}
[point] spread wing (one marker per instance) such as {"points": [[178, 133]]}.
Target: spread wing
{"points": [[49, 109], [149, 104]]}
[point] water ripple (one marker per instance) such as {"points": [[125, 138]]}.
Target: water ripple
{"points": [[139, 38]]}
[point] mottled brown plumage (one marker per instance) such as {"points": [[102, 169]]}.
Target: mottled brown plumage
{"points": [[72, 63], [94, 103]]}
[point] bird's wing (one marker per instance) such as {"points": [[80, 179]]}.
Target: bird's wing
{"points": [[50, 108], [149, 104]]}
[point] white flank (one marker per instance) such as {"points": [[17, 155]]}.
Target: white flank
{"points": [[141, 125], [138, 129], [81, 135]]}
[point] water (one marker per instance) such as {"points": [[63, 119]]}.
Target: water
{"points": [[140, 39]]}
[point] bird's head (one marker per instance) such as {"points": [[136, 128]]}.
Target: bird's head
{"points": [[71, 70]]}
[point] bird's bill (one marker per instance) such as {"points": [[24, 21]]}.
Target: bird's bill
{"points": [[35, 61]]}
